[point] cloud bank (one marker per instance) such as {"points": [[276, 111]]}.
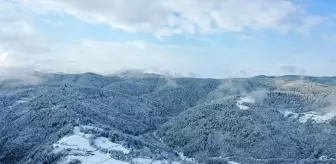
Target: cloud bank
{"points": [[170, 17], [23, 46]]}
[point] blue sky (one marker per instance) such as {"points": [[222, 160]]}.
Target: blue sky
{"points": [[205, 38]]}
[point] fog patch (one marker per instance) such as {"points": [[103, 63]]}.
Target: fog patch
{"points": [[259, 95], [21, 75], [230, 85], [293, 70], [171, 82], [169, 78], [279, 82], [331, 106]]}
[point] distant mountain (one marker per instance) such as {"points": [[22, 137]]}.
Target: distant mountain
{"points": [[149, 118]]}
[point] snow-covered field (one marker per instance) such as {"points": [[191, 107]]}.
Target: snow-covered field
{"points": [[105, 143], [151, 161], [78, 147], [243, 100]]}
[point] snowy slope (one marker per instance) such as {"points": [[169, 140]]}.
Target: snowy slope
{"points": [[312, 115], [243, 100], [77, 146], [105, 143]]}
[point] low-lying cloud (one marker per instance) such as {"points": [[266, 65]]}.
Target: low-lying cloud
{"points": [[22, 46], [20, 75], [293, 70], [330, 109]]}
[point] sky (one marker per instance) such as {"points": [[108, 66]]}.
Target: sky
{"points": [[202, 38]]}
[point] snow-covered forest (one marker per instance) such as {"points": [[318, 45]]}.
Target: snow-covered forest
{"points": [[149, 118]]}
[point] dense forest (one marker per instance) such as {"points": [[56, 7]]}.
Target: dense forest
{"points": [[288, 119]]}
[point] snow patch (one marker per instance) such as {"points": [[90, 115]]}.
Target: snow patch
{"points": [[304, 117], [231, 162], [105, 143], [113, 161], [317, 117], [185, 158], [142, 161], [157, 137], [91, 128], [80, 146], [288, 113], [77, 146], [243, 100], [23, 100], [74, 142], [151, 161]]}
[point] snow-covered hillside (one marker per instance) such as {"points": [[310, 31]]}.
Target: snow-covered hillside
{"points": [[90, 118], [87, 149]]}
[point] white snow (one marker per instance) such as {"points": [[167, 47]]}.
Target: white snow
{"points": [[231, 162], [151, 161], [77, 131], [185, 158], [24, 100], [243, 107], [243, 100], [94, 160], [142, 161], [103, 142], [78, 147], [317, 117], [113, 161], [98, 157], [91, 127], [304, 117], [21, 101], [288, 113], [248, 100], [160, 139], [74, 142]]}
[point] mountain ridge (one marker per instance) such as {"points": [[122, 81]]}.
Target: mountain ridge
{"points": [[35, 116]]}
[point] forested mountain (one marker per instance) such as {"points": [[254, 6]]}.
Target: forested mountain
{"points": [[148, 118]]}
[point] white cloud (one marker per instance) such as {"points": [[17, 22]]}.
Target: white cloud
{"points": [[291, 69], [168, 17], [25, 75], [54, 23], [4, 61], [17, 34], [28, 49], [19, 42], [3, 57], [107, 57]]}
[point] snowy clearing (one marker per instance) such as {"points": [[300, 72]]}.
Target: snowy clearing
{"points": [[78, 147], [185, 158], [243, 100], [231, 162], [74, 142], [151, 161], [304, 117], [105, 143], [317, 117]]}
